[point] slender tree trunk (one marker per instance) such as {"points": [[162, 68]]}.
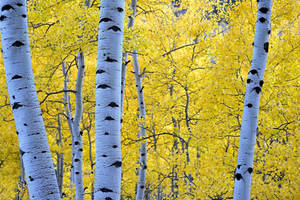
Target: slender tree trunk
{"points": [[142, 110], [249, 127], [108, 99], [39, 170], [60, 158]]}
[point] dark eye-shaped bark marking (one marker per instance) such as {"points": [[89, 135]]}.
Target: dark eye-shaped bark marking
{"points": [[266, 47], [17, 132], [105, 190], [248, 80], [16, 77], [80, 149], [23, 88], [238, 176], [103, 86], [81, 132], [269, 32], [17, 44], [250, 170], [104, 156], [33, 134], [253, 71], [142, 154], [117, 164], [2, 18], [257, 90], [109, 118], [7, 7], [115, 146], [100, 71], [76, 143], [77, 173], [24, 16], [142, 187], [263, 10], [30, 178], [114, 28], [76, 160], [19, 4], [106, 133], [261, 83], [262, 19], [25, 124], [108, 198], [17, 105], [120, 9], [105, 20], [145, 167], [239, 166], [113, 105], [44, 152], [249, 105], [108, 59]]}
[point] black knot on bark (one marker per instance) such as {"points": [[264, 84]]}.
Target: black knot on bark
{"points": [[30, 178], [109, 118], [7, 7], [114, 28], [257, 90], [2, 17], [238, 176], [249, 105], [100, 71], [117, 164], [261, 83], [105, 190], [253, 71], [248, 80], [76, 160], [262, 19], [17, 105], [106, 133], [76, 143], [77, 173], [113, 105], [263, 10], [103, 86], [120, 9], [115, 146], [250, 170], [108, 59], [19, 4], [17, 44], [239, 166], [105, 20], [16, 77], [108, 198], [266, 47]]}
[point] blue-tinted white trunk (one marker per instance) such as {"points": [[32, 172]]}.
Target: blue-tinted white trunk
{"points": [[108, 99], [33, 142], [255, 82]]}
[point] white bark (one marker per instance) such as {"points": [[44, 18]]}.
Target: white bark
{"points": [[142, 110], [108, 99], [74, 126], [125, 56], [33, 142], [251, 104]]}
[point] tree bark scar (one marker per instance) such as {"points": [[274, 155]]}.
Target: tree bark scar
{"points": [[120, 9], [263, 10], [109, 118], [114, 28], [103, 86], [7, 7], [108, 59], [105, 190], [16, 77], [17, 44], [100, 71], [2, 18], [117, 164], [113, 105], [262, 19], [19, 4], [266, 47], [105, 20], [17, 105]]}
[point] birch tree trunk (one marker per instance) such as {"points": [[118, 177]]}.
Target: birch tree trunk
{"points": [[108, 99], [31, 132], [142, 110], [255, 82]]}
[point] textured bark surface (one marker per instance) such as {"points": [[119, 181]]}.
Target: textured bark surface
{"points": [[31, 132], [142, 135], [255, 82], [108, 99]]}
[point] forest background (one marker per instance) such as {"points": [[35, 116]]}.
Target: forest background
{"points": [[195, 67]]}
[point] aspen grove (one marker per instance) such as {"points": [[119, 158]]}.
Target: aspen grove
{"points": [[149, 100]]}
